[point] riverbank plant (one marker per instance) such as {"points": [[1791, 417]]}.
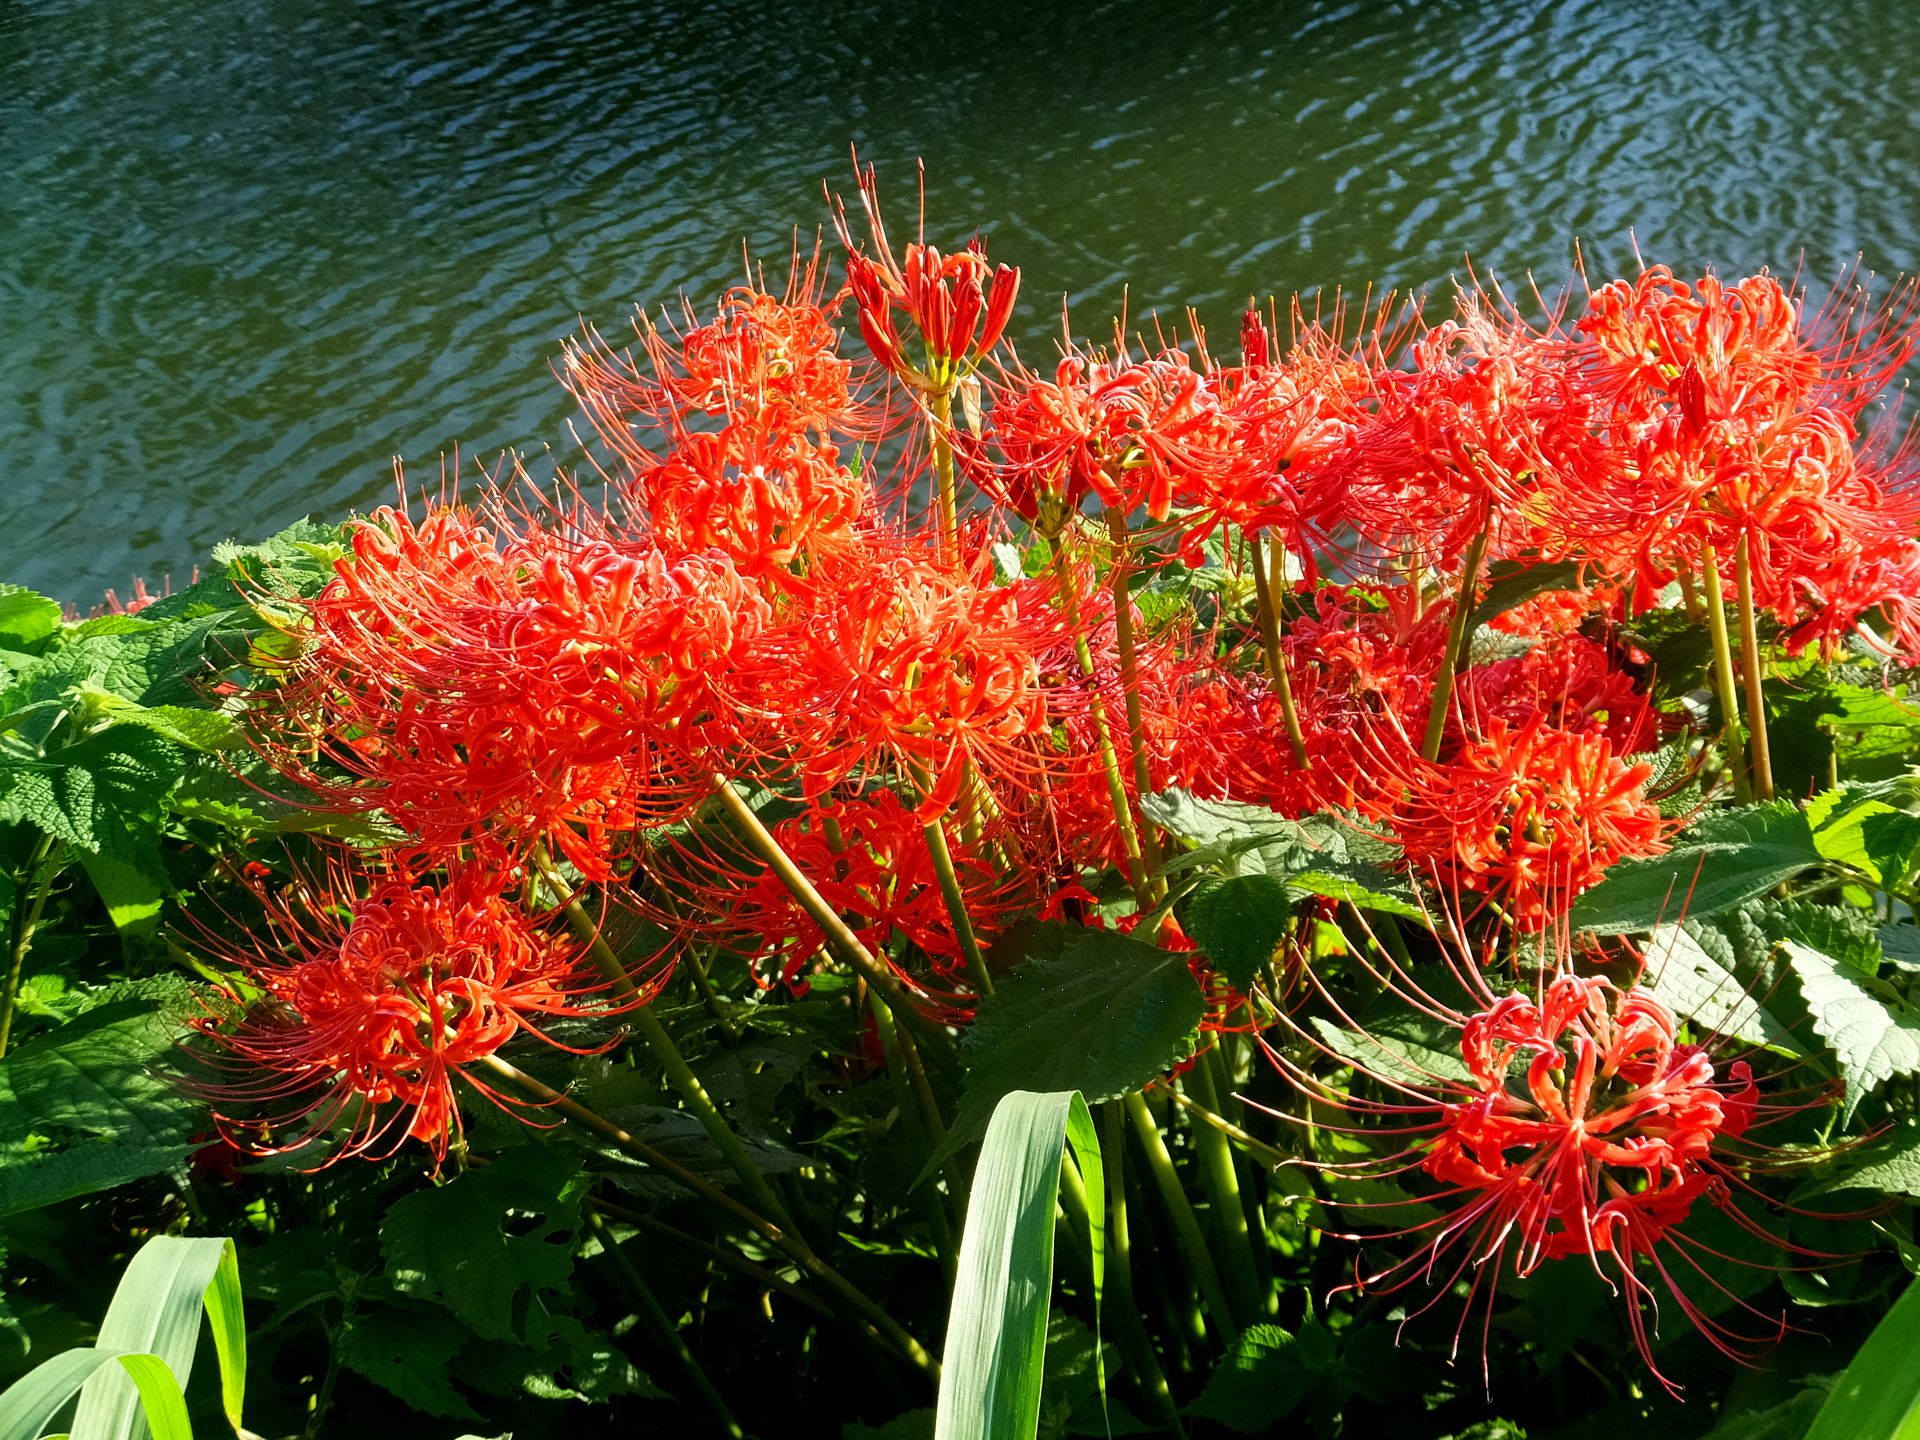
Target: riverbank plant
{"points": [[1436, 779]]}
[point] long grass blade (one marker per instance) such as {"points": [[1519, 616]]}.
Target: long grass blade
{"points": [[27, 1405], [1878, 1398], [156, 1310], [997, 1328], [161, 1400]]}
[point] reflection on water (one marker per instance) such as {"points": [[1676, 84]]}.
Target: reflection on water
{"points": [[251, 249]]}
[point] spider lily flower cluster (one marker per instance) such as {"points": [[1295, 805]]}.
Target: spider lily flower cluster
{"points": [[934, 663]]}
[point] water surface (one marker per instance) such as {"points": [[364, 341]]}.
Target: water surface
{"points": [[250, 250]]}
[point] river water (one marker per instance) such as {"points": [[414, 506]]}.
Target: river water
{"points": [[250, 250]]}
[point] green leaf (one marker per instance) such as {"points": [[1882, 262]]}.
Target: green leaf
{"points": [[206, 730], [101, 1074], [104, 794], [1879, 1396], [477, 1242], [1728, 858], [156, 1311], [26, 618], [1685, 977], [1872, 1041], [1104, 1017], [914, 1425], [1891, 1163], [29, 1405], [1515, 583], [994, 1365], [1256, 1384], [1238, 922], [407, 1352], [1402, 1045], [29, 1181]]}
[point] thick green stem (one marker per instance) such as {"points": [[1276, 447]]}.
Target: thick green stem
{"points": [[1134, 1340], [1186, 1224], [758, 1274], [1097, 711], [847, 944], [889, 1329], [1223, 1191], [1723, 670], [42, 870], [1270, 642], [940, 403], [1232, 1131], [937, 847], [1751, 664], [913, 1102], [1457, 635], [1118, 577], [679, 1074], [662, 1326]]}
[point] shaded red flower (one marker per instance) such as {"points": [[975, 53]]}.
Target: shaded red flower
{"points": [[349, 1036]]}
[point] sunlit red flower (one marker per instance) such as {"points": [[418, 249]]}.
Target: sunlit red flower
{"points": [[349, 1036]]}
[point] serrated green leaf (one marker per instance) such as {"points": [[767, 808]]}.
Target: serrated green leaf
{"points": [[1256, 1384], [479, 1241], [101, 1074], [1238, 922], [1104, 1017], [207, 730], [1689, 980], [26, 618], [407, 1352], [1890, 1164], [1872, 1041], [1400, 1045], [28, 1182], [1728, 858], [164, 665], [107, 793], [574, 1363]]}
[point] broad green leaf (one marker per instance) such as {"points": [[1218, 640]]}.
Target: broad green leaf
{"points": [[155, 1311], [30, 1181], [132, 884], [207, 730], [165, 665], [104, 794], [1691, 982], [1900, 944], [100, 1074], [1515, 583], [1256, 1384], [477, 1242], [1104, 1017], [1728, 858], [163, 1405], [994, 1363], [29, 1404], [1891, 1163], [1238, 922], [1406, 1047], [1879, 1396], [26, 618], [407, 1352], [1872, 1040], [573, 1363]]}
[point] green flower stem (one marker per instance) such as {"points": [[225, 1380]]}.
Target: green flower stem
{"points": [[42, 870], [1751, 664], [890, 1331], [1096, 708], [936, 833], [758, 1274], [910, 1099], [1134, 1341], [679, 1074], [1118, 576], [1186, 1224], [1232, 1131], [940, 405], [662, 1326], [1457, 636], [843, 940], [1223, 1191], [1270, 642], [1723, 670]]}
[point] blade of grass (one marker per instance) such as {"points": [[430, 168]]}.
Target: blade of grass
{"points": [[1878, 1398]]}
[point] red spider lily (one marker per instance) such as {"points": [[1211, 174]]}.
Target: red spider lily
{"points": [[542, 688], [1570, 683], [1131, 432], [1528, 818], [1576, 1125], [959, 306], [349, 1038], [907, 660]]}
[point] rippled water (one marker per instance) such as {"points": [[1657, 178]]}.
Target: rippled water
{"points": [[252, 249]]}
